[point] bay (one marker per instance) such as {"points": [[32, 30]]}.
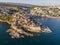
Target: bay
{"points": [[43, 39]]}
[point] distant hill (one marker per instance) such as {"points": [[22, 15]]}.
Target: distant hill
{"points": [[16, 4]]}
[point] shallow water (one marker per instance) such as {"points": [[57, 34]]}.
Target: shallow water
{"points": [[43, 39]]}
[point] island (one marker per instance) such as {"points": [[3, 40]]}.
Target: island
{"points": [[21, 24]]}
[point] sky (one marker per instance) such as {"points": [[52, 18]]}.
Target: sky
{"points": [[35, 2]]}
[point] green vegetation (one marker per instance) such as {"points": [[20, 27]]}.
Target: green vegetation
{"points": [[6, 17]]}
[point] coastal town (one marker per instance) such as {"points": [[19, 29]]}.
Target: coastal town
{"points": [[29, 22], [21, 24], [46, 11]]}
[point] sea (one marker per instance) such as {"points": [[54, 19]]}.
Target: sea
{"points": [[52, 38]]}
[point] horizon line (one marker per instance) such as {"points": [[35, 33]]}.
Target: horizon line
{"points": [[31, 4]]}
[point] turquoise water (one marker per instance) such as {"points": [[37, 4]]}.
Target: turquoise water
{"points": [[43, 39]]}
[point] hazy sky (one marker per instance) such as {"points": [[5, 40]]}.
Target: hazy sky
{"points": [[35, 2]]}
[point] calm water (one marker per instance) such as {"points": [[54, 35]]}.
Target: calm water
{"points": [[44, 39]]}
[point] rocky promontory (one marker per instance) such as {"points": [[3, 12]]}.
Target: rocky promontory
{"points": [[21, 24]]}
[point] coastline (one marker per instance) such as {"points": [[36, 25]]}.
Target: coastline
{"points": [[4, 21], [16, 33], [51, 17]]}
